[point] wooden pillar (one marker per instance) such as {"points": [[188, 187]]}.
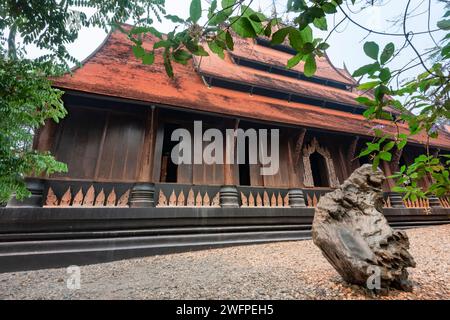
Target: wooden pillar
{"points": [[295, 195], [143, 192], [229, 196], [228, 172], [389, 183], [157, 150], [396, 160], [148, 148], [351, 156]]}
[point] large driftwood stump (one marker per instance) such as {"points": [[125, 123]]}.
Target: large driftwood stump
{"points": [[354, 236]]}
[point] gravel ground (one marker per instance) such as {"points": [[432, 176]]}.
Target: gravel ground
{"points": [[285, 270]]}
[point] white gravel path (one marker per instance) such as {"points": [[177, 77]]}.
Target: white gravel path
{"points": [[285, 270]]}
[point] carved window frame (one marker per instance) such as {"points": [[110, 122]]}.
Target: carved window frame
{"points": [[307, 151]]}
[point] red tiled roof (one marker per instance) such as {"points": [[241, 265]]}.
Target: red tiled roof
{"points": [[113, 71]]}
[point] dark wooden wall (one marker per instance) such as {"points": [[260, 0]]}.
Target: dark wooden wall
{"points": [[98, 144], [108, 141]]}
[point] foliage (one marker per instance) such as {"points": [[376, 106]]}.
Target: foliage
{"points": [[26, 101]]}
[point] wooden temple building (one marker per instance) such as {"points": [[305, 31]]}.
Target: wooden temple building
{"points": [[121, 183]]}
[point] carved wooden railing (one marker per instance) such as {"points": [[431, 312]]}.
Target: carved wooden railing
{"points": [[263, 199], [86, 198], [445, 201], [178, 198]]}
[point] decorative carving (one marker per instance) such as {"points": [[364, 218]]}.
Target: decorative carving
{"points": [[123, 200], [309, 201], [286, 200], [273, 200], [180, 201], [162, 199], [198, 199], [190, 202], [172, 199], [251, 200], [66, 198], [308, 176], [244, 200], [314, 200], [258, 200], [78, 199], [216, 200], [280, 200], [444, 202], [51, 200], [298, 147], [111, 200], [266, 201], [206, 199], [89, 197], [100, 199]]}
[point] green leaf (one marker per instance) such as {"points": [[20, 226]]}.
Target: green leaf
{"points": [[138, 51], [181, 56], [368, 85], [161, 44], [227, 6], [323, 46], [306, 34], [371, 49], [200, 51], [321, 23], [329, 8], [385, 74], [279, 36], [148, 58], [229, 41], [367, 69], [387, 53], [168, 64], [195, 10], [216, 49], [294, 60], [444, 24], [295, 39], [310, 65], [243, 27], [174, 18], [388, 146]]}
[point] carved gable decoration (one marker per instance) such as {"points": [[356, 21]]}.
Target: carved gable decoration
{"points": [[308, 176]]}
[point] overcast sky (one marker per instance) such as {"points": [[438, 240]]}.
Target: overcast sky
{"points": [[346, 42]]}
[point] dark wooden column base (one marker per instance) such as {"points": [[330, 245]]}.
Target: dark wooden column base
{"points": [[434, 201], [229, 197], [142, 195], [296, 198], [396, 200], [36, 187]]}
